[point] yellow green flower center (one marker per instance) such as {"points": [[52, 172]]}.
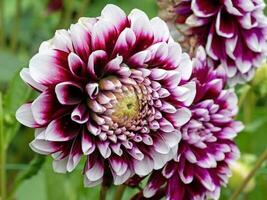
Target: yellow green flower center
{"points": [[126, 109]]}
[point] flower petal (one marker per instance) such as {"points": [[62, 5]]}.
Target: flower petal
{"points": [[45, 107], [26, 77], [179, 118], [94, 169], [115, 16], [76, 65], [69, 93], [62, 129], [144, 166], [48, 68], [81, 40], [80, 114], [24, 115]]}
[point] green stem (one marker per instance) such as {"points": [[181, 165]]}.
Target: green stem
{"points": [[2, 153], [244, 93], [103, 192], [249, 106], [16, 26], [119, 192], [252, 173], [2, 24]]}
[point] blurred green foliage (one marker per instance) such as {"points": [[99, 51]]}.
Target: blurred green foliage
{"points": [[33, 24]]}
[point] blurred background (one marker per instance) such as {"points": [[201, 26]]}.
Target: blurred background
{"points": [[24, 24]]}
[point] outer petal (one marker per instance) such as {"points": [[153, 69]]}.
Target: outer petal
{"points": [[94, 169], [46, 107], [24, 115], [62, 41], [143, 167], [26, 77], [62, 129], [80, 40], [48, 68], [141, 26], [75, 154], [160, 30], [115, 16]]}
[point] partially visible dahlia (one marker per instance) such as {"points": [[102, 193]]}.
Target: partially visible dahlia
{"points": [[233, 31], [113, 88], [55, 5], [201, 166]]}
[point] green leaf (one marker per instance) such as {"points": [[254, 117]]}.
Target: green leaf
{"points": [[16, 94], [33, 168], [249, 106], [33, 189], [243, 93], [256, 124], [262, 171], [9, 64]]}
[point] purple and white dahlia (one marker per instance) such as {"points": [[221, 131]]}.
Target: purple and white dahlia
{"points": [[114, 89], [233, 31], [201, 166]]}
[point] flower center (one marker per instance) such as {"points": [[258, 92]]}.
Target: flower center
{"points": [[126, 109]]}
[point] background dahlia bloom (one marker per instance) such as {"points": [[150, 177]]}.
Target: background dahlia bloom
{"points": [[113, 88], [207, 148], [55, 5], [233, 31]]}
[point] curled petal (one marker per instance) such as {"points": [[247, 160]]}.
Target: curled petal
{"points": [[80, 114], [77, 66], [69, 93], [96, 61]]}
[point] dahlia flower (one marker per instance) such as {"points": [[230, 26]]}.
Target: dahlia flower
{"points": [[206, 149], [233, 31], [114, 89]]}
